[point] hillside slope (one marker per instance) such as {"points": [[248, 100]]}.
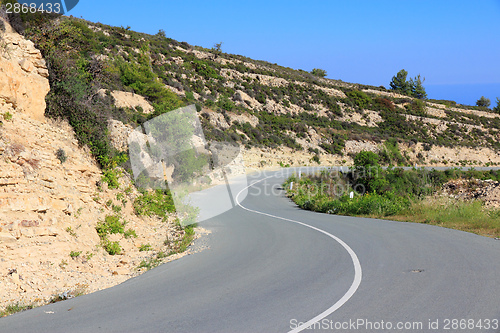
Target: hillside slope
{"points": [[262, 106], [71, 91], [53, 199]]}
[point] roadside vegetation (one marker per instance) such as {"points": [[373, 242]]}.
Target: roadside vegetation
{"points": [[396, 194], [87, 61], [470, 216], [74, 50], [172, 247], [14, 308]]}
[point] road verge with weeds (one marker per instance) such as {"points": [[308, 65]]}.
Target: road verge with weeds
{"points": [[415, 195], [172, 247], [15, 308]]}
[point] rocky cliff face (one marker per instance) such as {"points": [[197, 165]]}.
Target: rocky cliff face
{"points": [[23, 74], [50, 202]]}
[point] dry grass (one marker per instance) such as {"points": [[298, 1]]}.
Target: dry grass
{"points": [[14, 308], [470, 216]]}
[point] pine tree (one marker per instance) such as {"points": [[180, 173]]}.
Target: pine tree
{"points": [[216, 50], [483, 101], [399, 83], [497, 108], [417, 88], [412, 87]]}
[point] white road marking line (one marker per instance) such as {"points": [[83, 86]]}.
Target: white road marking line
{"points": [[357, 266]]}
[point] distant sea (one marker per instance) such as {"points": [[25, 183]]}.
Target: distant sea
{"points": [[466, 94]]}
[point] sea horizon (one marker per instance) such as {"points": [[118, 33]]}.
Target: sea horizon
{"points": [[465, 94]]}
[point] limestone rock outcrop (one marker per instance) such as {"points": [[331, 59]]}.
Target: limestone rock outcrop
{"points": [[52, 196], [125, 99], [119, 133], [23, 74]]}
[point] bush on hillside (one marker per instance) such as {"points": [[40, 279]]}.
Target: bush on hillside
{"points": [[359, 98], [318, 72]]}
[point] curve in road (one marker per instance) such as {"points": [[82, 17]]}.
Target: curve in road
{"points": [[355, 261], [265, 274]]}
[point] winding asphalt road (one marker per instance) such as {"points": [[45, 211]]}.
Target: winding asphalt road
{"points": [[272, 266]]}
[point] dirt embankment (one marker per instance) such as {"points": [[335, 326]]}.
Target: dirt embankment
{"points": [[52, 197], [487, 191]]}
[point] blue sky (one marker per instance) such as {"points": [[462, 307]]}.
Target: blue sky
{"points": [[455, 45]]}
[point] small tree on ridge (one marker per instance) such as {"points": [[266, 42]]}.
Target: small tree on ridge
{"points": [[497, 108], [318, 72], [399, 82], [412, 87], [483, 101], [217, 51], [417, 88]]}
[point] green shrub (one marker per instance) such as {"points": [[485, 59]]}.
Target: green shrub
{"points": [[318, 72], [189, 96], [368, 204], [417, 107], [390, 154], [70, 231], [7, 116], [225, 103], [390, 192], [209, 103], [112, 224], [145, 247], [180, 246], [366, 159], [113, 248], [111, 176], [61, 155], [130, 233], [336, 145], [158, 202], [189, 164], [204, 69], [261, 97], [153, 261], [359, 98], [71, 74], [74, 254]]}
